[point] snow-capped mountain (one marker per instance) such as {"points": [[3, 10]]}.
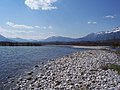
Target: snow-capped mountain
{"points": [[59, 38], [4, 39], [100, 36]]}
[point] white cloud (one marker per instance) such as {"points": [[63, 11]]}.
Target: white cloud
{"points": [[26, 34], [10, 33], [37, 27], [3, 30], [41, 4], [110, 16], [50, 27], [44, 27], [18, 26], [92, 22], [51, 32]]}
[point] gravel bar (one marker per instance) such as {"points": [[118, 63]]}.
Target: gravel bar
{"points": [[79, 71]]}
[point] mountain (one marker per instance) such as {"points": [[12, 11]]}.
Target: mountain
{"points": [[19, 40], [59, 39], [24, 40], [4, 39], [100, 36]]}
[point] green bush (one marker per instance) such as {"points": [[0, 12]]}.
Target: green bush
{"points": [[112, 67]]}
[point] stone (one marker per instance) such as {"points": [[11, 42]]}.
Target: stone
{"points": [[36, 66], [57, 83], [29, 77], [30, 73], [81, 70]]}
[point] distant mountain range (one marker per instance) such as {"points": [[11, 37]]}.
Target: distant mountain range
{"points": [[19, 40], [59, 38], [22, 40], [100, 36]]}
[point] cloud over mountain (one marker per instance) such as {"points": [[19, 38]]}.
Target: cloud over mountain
{"points": [[18, 26], [22, 26], [41, 4]]}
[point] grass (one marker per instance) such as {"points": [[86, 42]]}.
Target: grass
{"points": [[118, 52], [112, 67]]}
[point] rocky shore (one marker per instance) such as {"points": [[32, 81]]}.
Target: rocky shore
{"points": [[85, 70]]}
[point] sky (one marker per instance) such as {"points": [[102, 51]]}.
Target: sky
{"points": [[40, 19]]}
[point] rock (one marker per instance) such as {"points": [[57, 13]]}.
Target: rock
{"points": [[82, 70], [29, 77], [36, 66], [57, 83], [44, 77], [30, 73], [118, 86], [105, 80], [20, 79], [77, 86]]}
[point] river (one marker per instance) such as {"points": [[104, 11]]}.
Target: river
{"points": [[14, 61]]}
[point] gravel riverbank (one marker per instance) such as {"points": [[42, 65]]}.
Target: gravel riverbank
{"points": [[83, 70]]}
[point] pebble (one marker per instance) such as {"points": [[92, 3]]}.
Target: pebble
{"points": [[79, 71]]}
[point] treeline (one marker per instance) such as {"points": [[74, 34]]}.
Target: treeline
{"points": [[113, 43], [19, 44]]}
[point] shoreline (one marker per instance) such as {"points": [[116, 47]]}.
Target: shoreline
{"points": [[84, 47], [79, 71], [92, 47]]}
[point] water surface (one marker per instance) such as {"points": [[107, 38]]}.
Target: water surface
{"points": [[14, 61]]}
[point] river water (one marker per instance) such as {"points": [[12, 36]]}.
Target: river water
{"points": [[14, 61]]}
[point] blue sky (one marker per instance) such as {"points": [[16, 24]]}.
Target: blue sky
{"points": [[39, 19]]}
